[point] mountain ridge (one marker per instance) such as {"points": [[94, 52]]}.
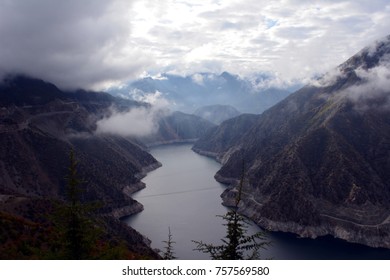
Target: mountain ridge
{"points": [[203, 89], [316, 161]]}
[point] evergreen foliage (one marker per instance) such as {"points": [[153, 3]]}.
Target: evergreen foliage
{"points": [[80, 234], [237, 244], [77, 233], [169, 252]]}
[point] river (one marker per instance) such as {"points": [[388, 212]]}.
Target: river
{"points": [[182, 195]]}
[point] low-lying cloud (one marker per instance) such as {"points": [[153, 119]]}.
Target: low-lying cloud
{"points": [[136, 122], [374, 91]]}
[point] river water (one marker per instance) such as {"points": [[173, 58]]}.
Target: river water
{"points": [[183, 196]]}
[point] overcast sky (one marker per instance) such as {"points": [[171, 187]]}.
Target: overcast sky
{"points": [[92, 43]]}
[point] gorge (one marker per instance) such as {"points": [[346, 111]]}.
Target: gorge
{"points": [[183, 195]]}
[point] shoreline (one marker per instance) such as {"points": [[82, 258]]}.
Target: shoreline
{"points": [[129, 210], [343, 229], [136, 207]]}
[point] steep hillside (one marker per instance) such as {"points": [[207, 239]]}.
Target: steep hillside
{"points": [[216, 142], [40, 124], [317, 163], [178, 127]]}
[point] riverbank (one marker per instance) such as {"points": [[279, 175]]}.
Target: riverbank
{"points": [[184, 196], [366, 234], [136, 207], [350, 231]]}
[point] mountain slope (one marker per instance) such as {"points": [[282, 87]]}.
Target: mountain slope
{"points": [[317, 162], [218, 141], [217, 113], [178, 127], [39, 125]]}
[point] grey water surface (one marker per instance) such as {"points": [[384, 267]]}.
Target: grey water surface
{"points": [[183, 195]]}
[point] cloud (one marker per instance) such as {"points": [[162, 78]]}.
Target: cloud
{"points": [[328, 79], [198, 79], [156, 99], [91, 43], [71, 43], [136, 122], [374, 91], [294, 39]]}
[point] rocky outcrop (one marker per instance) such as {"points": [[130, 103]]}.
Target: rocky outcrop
{"points": [[145, 170], [128, 210]]}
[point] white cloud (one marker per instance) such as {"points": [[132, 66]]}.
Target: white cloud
{"points": [[374, 91], [198, 78], [71, 43], [156, 99], [295, 39], [136, 122], [93, 42], [328, 79]]}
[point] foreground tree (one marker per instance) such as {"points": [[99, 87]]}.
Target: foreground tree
{"points": [[79, 233], [169, 253], [73, 220], [237, 244]]}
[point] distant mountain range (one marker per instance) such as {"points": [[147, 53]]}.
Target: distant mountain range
{"points": [[318, 162], [203, 89]]}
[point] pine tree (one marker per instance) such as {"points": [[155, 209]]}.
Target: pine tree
{"points": [[236, 242], [75, 231], [169, 253], [80, 232]]}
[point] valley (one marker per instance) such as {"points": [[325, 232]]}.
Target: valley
{"points": [[316, 161]]}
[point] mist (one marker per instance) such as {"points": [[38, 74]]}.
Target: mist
{"points": [[136, 122], [374, 91]]}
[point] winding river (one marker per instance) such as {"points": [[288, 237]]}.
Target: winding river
{"points": [[183, 196]]}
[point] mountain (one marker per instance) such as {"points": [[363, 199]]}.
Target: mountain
{"points": [[39, 125], [178, 127], [202, 89], [215, 143], [318, 162], [217, 113]]}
